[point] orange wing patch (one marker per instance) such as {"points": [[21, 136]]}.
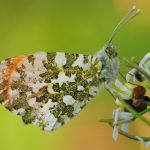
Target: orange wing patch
{"points": [[6, 70], [15, 62]]}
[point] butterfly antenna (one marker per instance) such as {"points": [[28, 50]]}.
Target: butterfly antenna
{"points": [[127, 18]]}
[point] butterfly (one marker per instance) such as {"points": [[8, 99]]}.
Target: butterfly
{"points": [[47, 89]]}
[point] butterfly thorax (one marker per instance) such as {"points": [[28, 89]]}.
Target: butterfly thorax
{"points": [[110, 63]]}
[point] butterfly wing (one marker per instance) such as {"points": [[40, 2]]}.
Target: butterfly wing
{"points": [[48, 89]]}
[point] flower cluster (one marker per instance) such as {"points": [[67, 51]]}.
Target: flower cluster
{"points": [[132, 97]]}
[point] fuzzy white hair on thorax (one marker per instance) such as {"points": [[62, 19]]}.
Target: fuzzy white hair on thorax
{"points": [[110, 66]]}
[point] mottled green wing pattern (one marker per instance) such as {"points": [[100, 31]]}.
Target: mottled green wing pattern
{"points": [[48, 89]]}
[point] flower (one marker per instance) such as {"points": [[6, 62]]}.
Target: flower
{"points": [[134, 75], [145, 63], [122, 118], [132, 97], [122, 91]]}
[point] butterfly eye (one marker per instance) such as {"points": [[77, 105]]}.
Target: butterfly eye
{"points": [[111, 51]]}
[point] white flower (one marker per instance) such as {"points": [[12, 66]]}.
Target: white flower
{"points": [[120, 117], [123, 91], [145, 63], [131, 75], [146, 144], [116, 117], [125, 127], [115, 133]]}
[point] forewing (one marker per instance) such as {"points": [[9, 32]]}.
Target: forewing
{"points": [[48, 89]]}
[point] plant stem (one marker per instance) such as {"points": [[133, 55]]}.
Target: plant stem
{"points": [[112, 120], [125, 134], [145, 111], [130, 136], [147, 103]]}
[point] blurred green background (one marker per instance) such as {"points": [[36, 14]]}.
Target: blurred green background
{"points": [[77, 26]]}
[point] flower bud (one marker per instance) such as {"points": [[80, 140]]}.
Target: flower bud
{"points": [[138, 76], [139, 92], [136, 104], [139, 105]]}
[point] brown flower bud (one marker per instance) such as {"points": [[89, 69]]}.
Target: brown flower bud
{"points": [[139, 92], [136, 104], [139, 105], [138, 76], [129, 102]]}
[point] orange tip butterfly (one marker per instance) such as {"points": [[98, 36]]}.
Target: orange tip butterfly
{"points": [[48, 89]]}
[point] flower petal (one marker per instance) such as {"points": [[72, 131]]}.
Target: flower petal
{"points": [[124, 95], [125, 127], [142, 62], [125, 116], [130, 74], [121, 86], [146, 144], [116, 115], [115, 133], [147, 67]]}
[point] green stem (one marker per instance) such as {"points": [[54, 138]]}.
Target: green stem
{"points": [[112, 120], [147, 103], [145, 111], [130, 136], [125, 134]]}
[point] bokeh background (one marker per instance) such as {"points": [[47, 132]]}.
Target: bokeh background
{"points": [[77, 26]]}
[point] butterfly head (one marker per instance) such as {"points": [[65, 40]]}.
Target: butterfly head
{"points": [[110, 50]]}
